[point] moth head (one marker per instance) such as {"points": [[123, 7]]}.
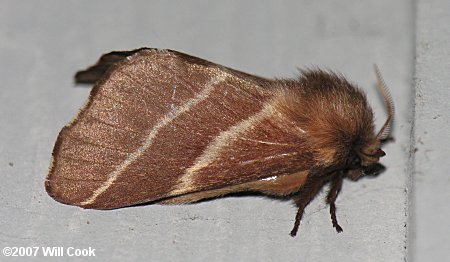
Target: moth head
{"points": [[365, 159], [365, 163]]}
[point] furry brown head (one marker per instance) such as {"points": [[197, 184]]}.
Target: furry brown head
{"points": [[337, 119]]}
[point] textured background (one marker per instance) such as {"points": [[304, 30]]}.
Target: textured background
{"points": [[430, 238], [43, 43]]}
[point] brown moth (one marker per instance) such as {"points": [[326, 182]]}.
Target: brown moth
{"points": [[162, 126]]}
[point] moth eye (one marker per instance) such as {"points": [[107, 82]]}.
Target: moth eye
{"points": [[356, 161], [373, 170]]}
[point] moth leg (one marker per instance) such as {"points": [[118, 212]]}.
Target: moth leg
{"points": [[302, 199], [335, 188], [298, 217], [95, 72]]}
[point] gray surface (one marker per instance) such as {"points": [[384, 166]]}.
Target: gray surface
{"points": [[43, 43], [431, 208]]}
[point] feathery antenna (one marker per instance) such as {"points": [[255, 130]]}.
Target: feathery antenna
{"points": [[385, 129]]}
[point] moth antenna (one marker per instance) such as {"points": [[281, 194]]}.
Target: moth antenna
{"points": [[386, 128]]}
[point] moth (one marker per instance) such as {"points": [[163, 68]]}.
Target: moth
{"points": [[164, 127]]}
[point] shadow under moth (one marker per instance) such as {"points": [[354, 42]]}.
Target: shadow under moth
{"points": [[165, 127]]}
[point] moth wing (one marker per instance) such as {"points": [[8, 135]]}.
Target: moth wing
{"points": [[160, 123], [95, 72]]}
